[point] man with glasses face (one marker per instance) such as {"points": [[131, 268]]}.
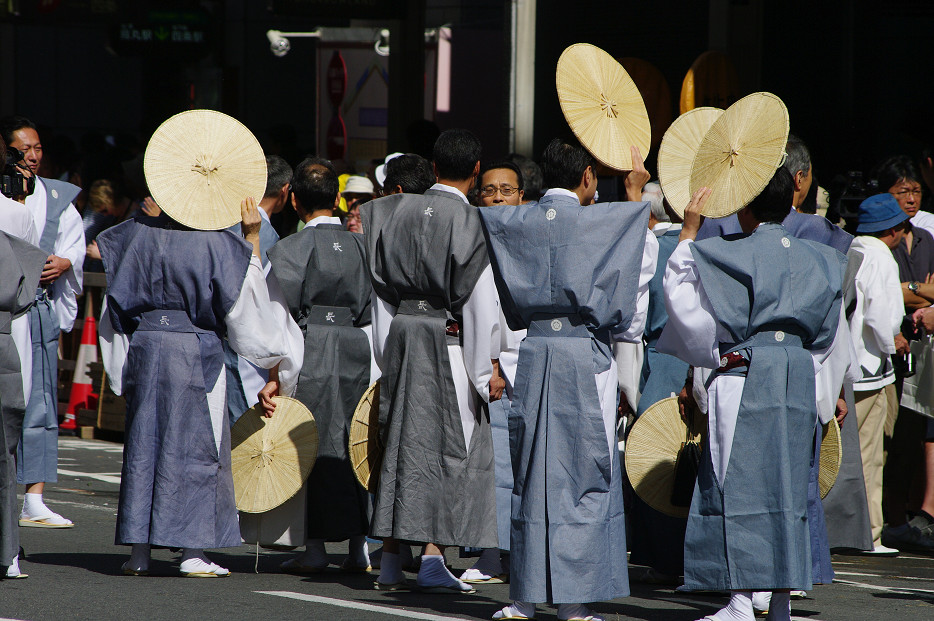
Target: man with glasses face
{"points": [[500, 184]]}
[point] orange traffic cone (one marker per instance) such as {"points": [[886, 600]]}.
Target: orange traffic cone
{"points": [[82, 390]]}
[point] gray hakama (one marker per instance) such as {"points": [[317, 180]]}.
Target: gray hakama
{"points": [[656, 539], [20, 267], [427, 260], [775, 300], [37, 455], [171, 290], [572, 276], [323, 275]]}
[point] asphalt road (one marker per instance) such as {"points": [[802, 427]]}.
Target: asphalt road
{"points": [[75, 574]]}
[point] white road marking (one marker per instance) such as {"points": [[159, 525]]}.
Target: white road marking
{"points": [[71, 503], [100, 476], [873, 587], [854, 573], [342, 603], [912, 578], [68, 444]]}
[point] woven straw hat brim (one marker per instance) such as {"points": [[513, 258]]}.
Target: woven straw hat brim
{"points": [[365, 448], [740, 153], [602, 105], [677, 151], [200, 165], [272, 457], [831, 456], [652, 452]]}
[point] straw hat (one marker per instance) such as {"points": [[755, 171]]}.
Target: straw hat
{"points": [[200, 165], [831, 456], [652, 452], [366, 449], [272, 457], [602, 105], [740, 153], [677, 151]]}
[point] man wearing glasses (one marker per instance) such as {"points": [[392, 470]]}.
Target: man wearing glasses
{"points": [[500, 184]]}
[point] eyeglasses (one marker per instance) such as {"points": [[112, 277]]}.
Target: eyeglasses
{"points": [[916, 192], [505, 190]]}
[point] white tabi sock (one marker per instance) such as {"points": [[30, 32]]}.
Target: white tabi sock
{"points": [[33, 507], [760, 601], [434, 573], [139, 557], [13, 570], [314, 554], [577, 611], [780, 609], [516, 609], [390, 569], [358, 551], [739, 608]]}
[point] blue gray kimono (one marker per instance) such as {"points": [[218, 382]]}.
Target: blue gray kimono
{"points": [[773, 298], [656, 539], [170, 289], [570, 275], [37, 455]]}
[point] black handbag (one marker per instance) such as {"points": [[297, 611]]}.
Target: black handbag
{"points": [[686, 468]]}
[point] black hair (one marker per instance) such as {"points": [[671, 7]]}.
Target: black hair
{"points": [[11, 124], [507, 165], [531, 175], [564, 163], [774, 202], [456, 153], [278, 173], [894, 169], [315, 184], [411, 172]]}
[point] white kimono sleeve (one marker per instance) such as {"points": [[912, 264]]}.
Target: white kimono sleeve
{"points": [[114, 346], [69, 244], [381, 320], [633, 334], [481, 331], [21, 333], [260, 328]]}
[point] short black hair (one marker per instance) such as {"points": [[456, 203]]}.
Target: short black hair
{"points": [[11, 124], [507, 165], [564, 163], [411, 172], [315, 184], [278, 173], [531, 175], [456, 153], [894, 169], [774, 202]]}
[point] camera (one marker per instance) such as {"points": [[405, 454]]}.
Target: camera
{"points": [[847, 192], [13, 182]]}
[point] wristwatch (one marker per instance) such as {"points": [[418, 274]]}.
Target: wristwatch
{"points": [[913, 286]]}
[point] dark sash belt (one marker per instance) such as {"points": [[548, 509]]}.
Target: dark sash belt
{"points": [[328, 316], [210, 349], [735, 361], [6, 321], [430, 306], [553, 325]]}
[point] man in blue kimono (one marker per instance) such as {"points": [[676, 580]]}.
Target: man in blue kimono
{"points": [[576, 276], [763, 307]]}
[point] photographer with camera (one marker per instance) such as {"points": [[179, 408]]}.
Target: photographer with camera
{"points": [[61, 237], [20, 260]]}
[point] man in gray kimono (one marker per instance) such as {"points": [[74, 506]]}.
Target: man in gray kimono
{"points": [[762, 310], [436, 338], [576, 276], [323, 276]]}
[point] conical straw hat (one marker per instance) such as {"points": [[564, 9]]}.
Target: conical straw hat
{"points": [[272, 457], [602, 105], [366, 449], [831, 456], [740, 153], [200, 165], [677, 151], [652, 452]]}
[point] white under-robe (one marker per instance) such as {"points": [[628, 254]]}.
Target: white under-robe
{"points": [[259, 328], [69, 244], [16, 220], [694, 335]]}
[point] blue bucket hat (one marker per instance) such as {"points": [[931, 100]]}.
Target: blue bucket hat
{"points": [[878, 213]]}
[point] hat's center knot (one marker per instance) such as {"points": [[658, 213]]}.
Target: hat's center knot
{"points": [[205, 166], [732, 153], [608, 106]]}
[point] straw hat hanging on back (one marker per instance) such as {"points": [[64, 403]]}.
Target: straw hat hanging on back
{"points": [[602, 105], [740, 153], [677, 151], [200, 165]]}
